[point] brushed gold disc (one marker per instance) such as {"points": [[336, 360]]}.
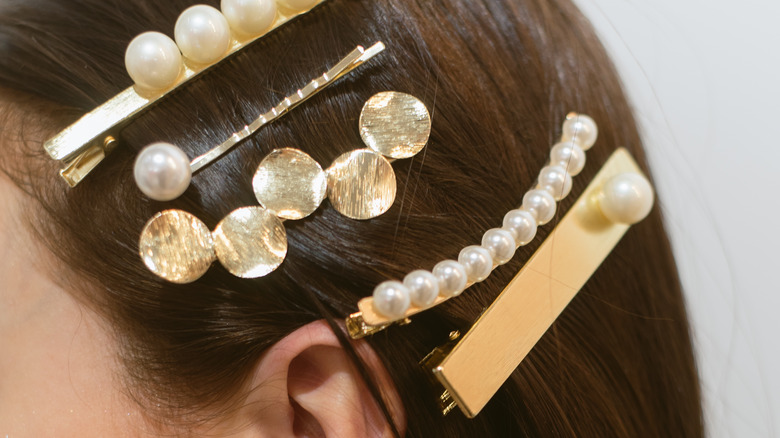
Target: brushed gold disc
{"points": [[289, 182], [176, 246], [250, 242], [361, 184], [397, 125]]}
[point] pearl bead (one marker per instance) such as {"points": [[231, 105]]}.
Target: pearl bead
{"points": [[423, 287], [297, 5], [501, 245], [522, 225], [162, 171], [391, 299], [626, 198], [153, 61], [581, 129], [568, 155], [249, 17], [540, 204], [556, 181], [477, 261], [452, 277], [202, 33]]}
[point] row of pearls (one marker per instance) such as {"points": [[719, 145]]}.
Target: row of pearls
{"points": [[203, 36], [449, 278]]}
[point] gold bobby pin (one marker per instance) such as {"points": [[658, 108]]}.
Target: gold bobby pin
{"points": [[507, 330], [163, 172], [85, 143]]}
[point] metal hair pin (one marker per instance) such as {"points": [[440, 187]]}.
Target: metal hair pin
{"points": [[204, 37], [163, 171]]}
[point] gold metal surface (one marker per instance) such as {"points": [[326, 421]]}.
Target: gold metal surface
{"points": [[361, 184], [397, 125], [176, 246], [505, 333], [289, 182], [250, 242]]}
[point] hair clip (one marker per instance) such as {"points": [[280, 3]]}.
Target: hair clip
{"points": [[204, 36], [251, 242], [473, 367], [163, 172], [420, 290]]}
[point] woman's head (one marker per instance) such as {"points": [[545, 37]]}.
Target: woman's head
{"points": [[497, 77]]}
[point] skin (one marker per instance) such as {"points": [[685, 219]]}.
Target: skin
{"points": [[58, 362]]}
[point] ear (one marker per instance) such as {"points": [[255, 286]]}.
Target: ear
{"points": [[307, 385]]}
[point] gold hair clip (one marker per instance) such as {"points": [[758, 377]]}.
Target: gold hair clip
{"points": [[420, 290], [507, 330], [251, 242], [163, 172], [205, 36]]}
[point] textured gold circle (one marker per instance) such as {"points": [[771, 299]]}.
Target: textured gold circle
{"points": [[396, 125], [176, 246], [250, 242], [361, 184], [289, 182]]}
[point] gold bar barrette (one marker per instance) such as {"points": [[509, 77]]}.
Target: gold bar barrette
{"points": [[510, 327], [85, 143]]}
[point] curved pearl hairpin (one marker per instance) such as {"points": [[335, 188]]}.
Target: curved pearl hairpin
{"points": [[475, 263]]}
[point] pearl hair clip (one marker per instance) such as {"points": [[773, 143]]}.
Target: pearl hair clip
{"points": [[251, 242], [158, 65], [394, 300], [163, 172]]}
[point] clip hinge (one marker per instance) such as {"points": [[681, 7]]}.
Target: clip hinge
{"points": [[76, 169], [359, 328], [430, 364]]}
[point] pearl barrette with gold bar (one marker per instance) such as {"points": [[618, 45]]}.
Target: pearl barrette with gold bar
{"points": [[204, 37]]}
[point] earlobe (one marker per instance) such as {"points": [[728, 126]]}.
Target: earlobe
{"points": [[307, 385]]}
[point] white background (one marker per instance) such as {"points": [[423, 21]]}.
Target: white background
{"points": [[704, 80]]}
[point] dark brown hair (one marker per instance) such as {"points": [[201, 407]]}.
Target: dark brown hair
{"points": [[498, 76]]}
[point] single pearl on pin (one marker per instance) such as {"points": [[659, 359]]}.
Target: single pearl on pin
{"points": [[477, 261], [540, 204], [162, 171], [521, 224], [626, 198], [423, 287], [153, 60], [391, 299], [452, 278], [568, 155], [202, 33], [556, 181], [500, 243], [249, 17], [297, 5], [581, 129]]}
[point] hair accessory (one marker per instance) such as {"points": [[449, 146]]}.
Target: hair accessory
{"points": [[163, 172], [251, 241], [205, 36], [394, 300], [473, 367]]}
